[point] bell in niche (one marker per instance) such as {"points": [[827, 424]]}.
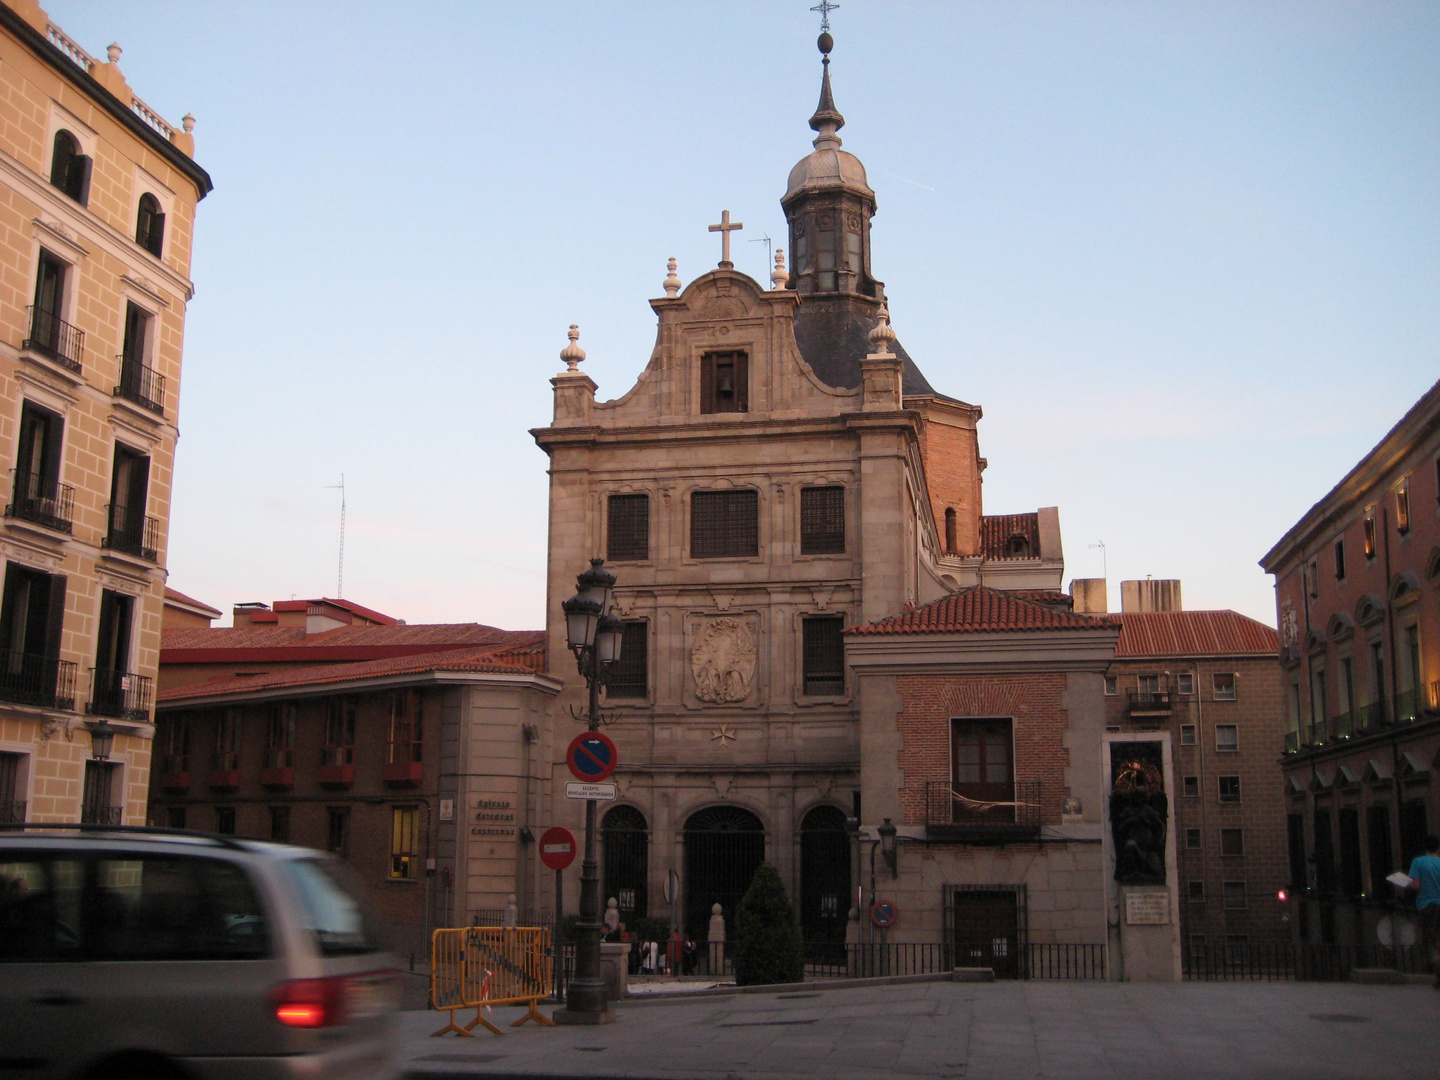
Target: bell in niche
{"points": [[725, 383]]}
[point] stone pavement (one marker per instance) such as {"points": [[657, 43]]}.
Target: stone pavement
{"points": [[978, 1031]]}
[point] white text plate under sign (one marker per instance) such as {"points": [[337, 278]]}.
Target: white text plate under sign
{"points": [[602, 792]]}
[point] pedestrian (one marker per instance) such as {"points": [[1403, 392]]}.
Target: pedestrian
{"points": [[1425, 876]]}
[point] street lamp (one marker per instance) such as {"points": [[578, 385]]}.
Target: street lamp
{"points": [[102, 737], [887, 833], [594, 636]]}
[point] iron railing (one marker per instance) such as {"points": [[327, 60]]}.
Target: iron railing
{"points": [[1273, 961], [1407, 705], [279, 757], [42, 681], [141, 384], [337, 755], [132, 532], [121, 694], [226, 761], [12, 813], [101, 815], [1152, 702], [43, 502], [1372, 715], [1292, 742], [52, 336], [952, 814], [1342, 725]]}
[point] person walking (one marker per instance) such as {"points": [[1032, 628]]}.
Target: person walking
{"points": [[1425, 876]]}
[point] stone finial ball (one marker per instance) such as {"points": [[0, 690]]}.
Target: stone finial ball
{"points": [[825, 42], [715, 909]]}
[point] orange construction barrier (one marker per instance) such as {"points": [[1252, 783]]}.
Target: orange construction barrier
{"points": [[476, 967]]}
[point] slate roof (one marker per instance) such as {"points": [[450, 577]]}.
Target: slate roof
{"points": [[833, 335], [490, 660], [981, 609], [1194, 633], [996, 530]]}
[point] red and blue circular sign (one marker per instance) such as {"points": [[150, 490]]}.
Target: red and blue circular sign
{"points": [[591, 756], [883, 913]]}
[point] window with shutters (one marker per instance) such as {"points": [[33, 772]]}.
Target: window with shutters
{"points": [[130, 529], [627, 528], [150, 225], [983, 760], [630, 674], [404, 843], [38, 495], [50, 334], [70, 169], [725, 524], [824, 655], [724, 382], [822, 520], [31, 618]]}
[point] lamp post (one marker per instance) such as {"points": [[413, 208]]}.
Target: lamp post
{"points": [[102, 737], [594, 636]]}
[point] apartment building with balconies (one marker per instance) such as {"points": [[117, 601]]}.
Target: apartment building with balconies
{"points": [[97, 205]]}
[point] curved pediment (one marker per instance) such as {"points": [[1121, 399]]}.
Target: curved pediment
{"points": [[1340, 627], [1370, 610], [1404, 588]]}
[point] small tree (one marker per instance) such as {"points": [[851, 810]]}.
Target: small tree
{"points": [[767, 935]]}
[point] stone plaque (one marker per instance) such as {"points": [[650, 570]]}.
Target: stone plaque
{"points": [[722, 661], [1147, 908]]}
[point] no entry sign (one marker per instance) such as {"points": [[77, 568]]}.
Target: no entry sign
{"points": [[557, 847], [883, 913], [591, 756]]}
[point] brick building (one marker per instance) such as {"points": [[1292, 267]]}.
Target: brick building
{"points": [[409, 750], [97, 206], [1357, 585]]}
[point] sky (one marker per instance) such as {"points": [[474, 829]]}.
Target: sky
{"points": [[1184, 255]]}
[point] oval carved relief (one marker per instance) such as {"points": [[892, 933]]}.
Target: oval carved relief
{"points": [[723, 661]]}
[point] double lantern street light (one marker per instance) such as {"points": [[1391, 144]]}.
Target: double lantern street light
{"points": [[594, 636]]}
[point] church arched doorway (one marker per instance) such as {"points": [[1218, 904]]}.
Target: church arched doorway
{"points": [[626, 842], [724, 845], [824, 879]]}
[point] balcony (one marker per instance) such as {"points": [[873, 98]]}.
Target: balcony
{"points": [[12, 813], [121, 694], [132, 532], [52, 336], [278, 772], [225, 771], [337, 766], [175, 773], [1371, 716], [404, 773], [1407, 705], [41, 681], [43, 502], [1150, 703], [982, 813], [1292, 742], [1342, 725], [143, 385], [101, 815]]}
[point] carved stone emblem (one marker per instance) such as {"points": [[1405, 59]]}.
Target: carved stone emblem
{"points": [[723, 661]]}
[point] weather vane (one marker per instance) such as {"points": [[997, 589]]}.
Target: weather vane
{"points": [[824, 8]]}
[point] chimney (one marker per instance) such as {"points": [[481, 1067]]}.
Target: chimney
{"points": [[1088, 596], [1150, 595], [252, 614]]}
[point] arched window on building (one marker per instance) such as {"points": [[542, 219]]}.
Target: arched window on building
{"points": [[625, 838], [950, 539], [70, 169], [150, 225], [724, 846]]}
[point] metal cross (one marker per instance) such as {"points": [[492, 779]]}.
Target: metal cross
{"points": [[725, 228], [824, 8]]}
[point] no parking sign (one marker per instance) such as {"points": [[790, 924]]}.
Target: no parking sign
{"points": [[883, 913]]}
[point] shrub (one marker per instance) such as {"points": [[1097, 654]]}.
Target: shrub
{"points": [[767, 934]]}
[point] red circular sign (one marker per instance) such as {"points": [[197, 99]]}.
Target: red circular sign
{"points": [[557, 847], [591, 756], [883, 913]]}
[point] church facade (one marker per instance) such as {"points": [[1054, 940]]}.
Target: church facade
{"points": [[780, 471]]}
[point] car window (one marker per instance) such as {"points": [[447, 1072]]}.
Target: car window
{"points": [[335, 910], [40, 909]]}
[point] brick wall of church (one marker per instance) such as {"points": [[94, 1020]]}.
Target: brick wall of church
{"points": [[952, 475]]}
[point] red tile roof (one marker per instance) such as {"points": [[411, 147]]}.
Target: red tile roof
{"points": [[1193, 633], [492, 660], [345, 605], [281, 644], [997, 529], [1049, 597], [178, 597], [981, 609]]}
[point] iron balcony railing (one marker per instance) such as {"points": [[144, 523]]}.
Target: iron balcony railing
{"points": [[42, 681], [132, 532], [101, 815], [1151, 702], [47, 503], [226, 761], [1372, 715], [996, 813], [1407, 705], [279, 757], [12, 813], [1292, 742], [1342, 726], [143, 385], [52, 336], [337, 755], [121, 694]]}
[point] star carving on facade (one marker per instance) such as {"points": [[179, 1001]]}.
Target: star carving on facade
{"points": [[722, 733]]}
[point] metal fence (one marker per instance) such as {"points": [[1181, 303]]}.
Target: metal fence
{"points": [[1284, 960]]}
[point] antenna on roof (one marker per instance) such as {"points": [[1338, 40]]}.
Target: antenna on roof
{"points": [[340, 583], [769, 252], [1104, 562]]}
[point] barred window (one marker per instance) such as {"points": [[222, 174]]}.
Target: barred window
{"points": [[628, 528], [725, 524], [630, 674], [824, 655], [822, 520], [404, 845]]}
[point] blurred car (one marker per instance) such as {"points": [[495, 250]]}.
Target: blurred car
{"points": [[134, 952]]}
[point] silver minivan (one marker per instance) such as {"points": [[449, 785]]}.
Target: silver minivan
{"points": [[136, 952]]}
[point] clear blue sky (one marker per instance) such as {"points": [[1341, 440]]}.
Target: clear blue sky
{"points": [[1186, 256]]}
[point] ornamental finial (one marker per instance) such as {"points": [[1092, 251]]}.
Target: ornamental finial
{"points": [[112, 52], [572, 354], [781, 277], [882, 334], [188, 123], [672, 279]]}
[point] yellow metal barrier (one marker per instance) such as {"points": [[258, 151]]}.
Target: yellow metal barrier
{"points": [[478, 966]]}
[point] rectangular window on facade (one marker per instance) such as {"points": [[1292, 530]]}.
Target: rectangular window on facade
{"points": [[1402, 508], [175, 817], [823, 655], [724, 382], [822, 520], [31, 618], [1111, 686], [630, 674], [128, 528], [1292, 717], [279, 736], [280, 824], [1190, 787], [627, 528], [407, 728], [404, 843], [983, 767], [227, 740], [50, 334], [1351, 881], [1232, 842], [1229, 789], [1187, 734], [177, 744], [1192, 839], [1227, 738], [1369, 533], [725, 524], [337, 830], [1224, 683], [225, 820], [1314, 577], [1185, 682], [139, 382], [1408, 701], [37, 494], [1196, 892], [1324, 851], [1340, 559], [101, 797], [1295, 838], [1234, 894], [339, 748]]}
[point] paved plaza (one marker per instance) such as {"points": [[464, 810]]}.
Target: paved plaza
{"points": [[978, 1031]]}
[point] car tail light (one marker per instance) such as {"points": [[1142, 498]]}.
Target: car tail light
{"points": [[310, 1003]]}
